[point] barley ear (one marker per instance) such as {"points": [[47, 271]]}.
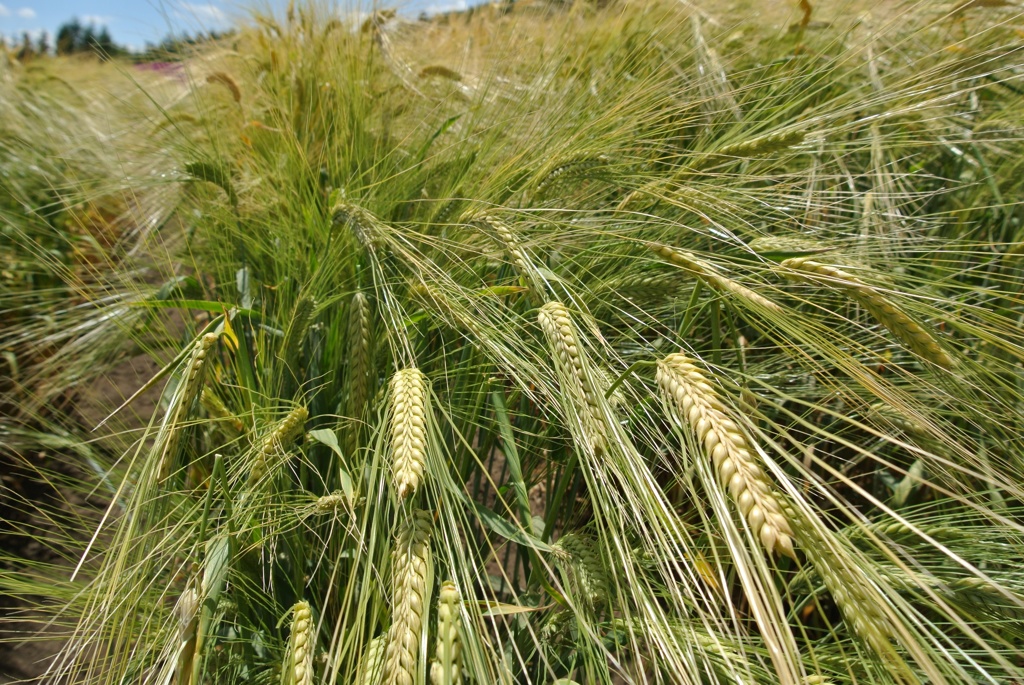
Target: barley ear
{"points": [[586, 575], [447, 667], [225, 79], [187, 613], [410, 570], [697, 404], [564, 344], [301, 645], [371, 667], [408, 430], [709, 274], [291, 347], [360, 342], [908, 331], [169, 435], [278, 440]]}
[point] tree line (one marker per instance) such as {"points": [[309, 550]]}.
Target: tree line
{"points": [[75, 38]]}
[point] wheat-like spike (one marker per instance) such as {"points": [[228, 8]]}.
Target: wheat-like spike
{"points": [[410, 570], [790, 246], [447, 668], [442, 303], [187, 613], [564, 343], [709, 274], [587, 575], [698, 405], [166, 443], [360, 341], [278, 439], [302, 644], [441, 71], [507, 236], [408, 430], [640, 284], [225, 80], [328, 503], [291, 347], [759, 146], [216, 409], [855, 601], [570, 168], [364, 225], [372, 664], [762, 145], [899, 323]]}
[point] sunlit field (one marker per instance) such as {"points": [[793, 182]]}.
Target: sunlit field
{"points": [[643, 341]]}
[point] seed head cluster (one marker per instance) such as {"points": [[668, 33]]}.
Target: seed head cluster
{"points": [[698, 405]]}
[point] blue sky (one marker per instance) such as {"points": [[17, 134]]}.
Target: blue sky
{"points": [[133, 22]]}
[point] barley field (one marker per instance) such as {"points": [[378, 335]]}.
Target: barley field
{"points": [[632, 341]]}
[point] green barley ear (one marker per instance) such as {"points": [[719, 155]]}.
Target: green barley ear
{"points": [[364, 226], [216, 409], [564, 343], [759, 146], [857, 601], [166, 444], [408, 430], [697, 404], [291, 346], [447, 667], [225, 79], [187, 613], [564, 170], [371, 666], [518, 255], [410, 570], [360, 343], [899, 323], [709, 274], [278, 440], [302, 642], [586, 575]]}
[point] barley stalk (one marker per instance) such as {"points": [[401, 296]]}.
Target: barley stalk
{"points": [[360, 340], [372, 665], [709, 274], [564, 344], [698, 405], [410, 571], [447, 668], [899, 323], [278, 440], [408, 430], [169, 435], [302, 643]]}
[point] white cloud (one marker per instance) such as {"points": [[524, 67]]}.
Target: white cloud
{"points": [[95, 19], [206, 13], [27, 13], [4, 12]]}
